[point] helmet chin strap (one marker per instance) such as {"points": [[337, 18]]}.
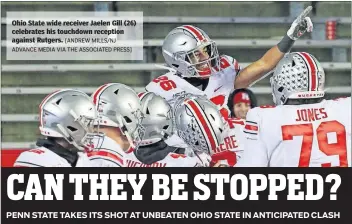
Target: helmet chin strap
{"points": [[125, 132], [129, 138]]}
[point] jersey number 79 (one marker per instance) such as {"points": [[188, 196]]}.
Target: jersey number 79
{"points": [[321, 136]]}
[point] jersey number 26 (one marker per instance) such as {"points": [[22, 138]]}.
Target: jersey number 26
{"points": [[165, 83]]}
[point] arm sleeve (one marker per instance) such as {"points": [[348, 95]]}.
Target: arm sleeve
{"points": [[255, 152], [35, 158], [106, 158]]}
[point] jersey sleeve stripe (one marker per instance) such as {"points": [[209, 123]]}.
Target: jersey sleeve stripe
{"points": [[251, 127], [237, 66], [109, 160], [110, 151], [250, 133], [252, 122], [27, 163], [105, 154]]}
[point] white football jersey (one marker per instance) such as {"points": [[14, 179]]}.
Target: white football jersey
{"points": [[219, 87], [170, 86], [107, 153], [311, 135], [228, 152], [43, 157], [171, 160]]}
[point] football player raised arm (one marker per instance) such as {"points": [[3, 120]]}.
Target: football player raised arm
{"points": [[269, 60], [196, 67]]}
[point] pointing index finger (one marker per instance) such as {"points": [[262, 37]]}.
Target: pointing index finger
{"points": [[305, 13]]}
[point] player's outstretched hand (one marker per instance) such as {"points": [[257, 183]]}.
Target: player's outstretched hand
{"points": [[301, 24]]}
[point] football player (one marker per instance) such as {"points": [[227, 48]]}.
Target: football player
{"points": [[154, 150], [201, 126], [197, 68], [303, 130], [66, 122], [120, 120]]}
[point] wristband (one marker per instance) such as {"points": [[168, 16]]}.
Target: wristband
{"points": [[285, 44]]}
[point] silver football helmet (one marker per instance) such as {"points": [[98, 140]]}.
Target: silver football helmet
{"points": [[68, 114], [200, 124], [119, 106], [298, 75], [158, 120], [191, 52]]}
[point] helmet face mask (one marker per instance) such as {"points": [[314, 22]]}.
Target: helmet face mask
{"points": [[69, 114], [158, 118], [203, 67], [298, 75], [82, 138], [119, 106], [132, 127], [191, 52]]}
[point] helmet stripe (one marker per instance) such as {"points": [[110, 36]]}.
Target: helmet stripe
{"points": [[97, 93], [194, 31], [313, 70], [204, 124], [42, 103], [306, 63], [142, 94]]}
